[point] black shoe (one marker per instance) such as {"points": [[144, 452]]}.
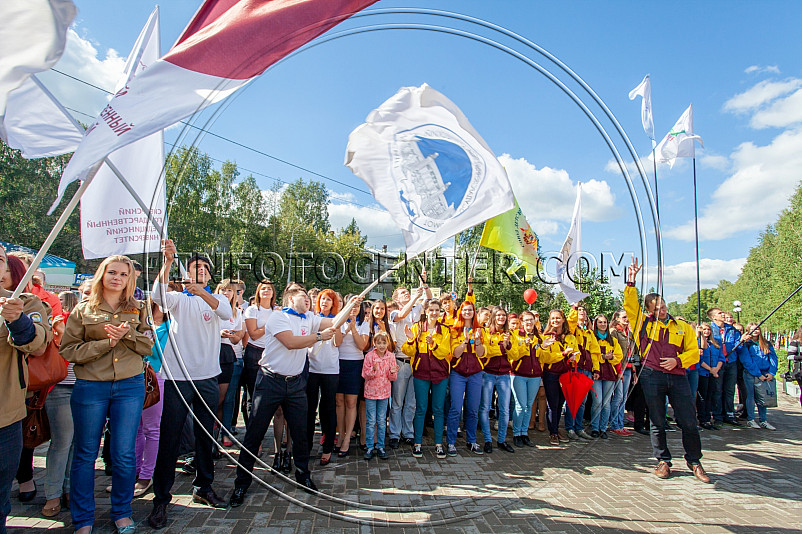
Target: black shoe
{"points": [[216, 454], [408, 441], [733, 422], [286, 464], [394, 443], [642, 431], [308, 485], [526, 441], [488, 447], [707, 426], [363, 448], [189, 466], [516, 440], [27, 496], [343, 454], [238, 497], [504, 446], [595, 434], [158, 516], [209, 498], [603, 435]]}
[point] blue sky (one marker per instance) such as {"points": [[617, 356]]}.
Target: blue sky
{"points": [[737, 62]]}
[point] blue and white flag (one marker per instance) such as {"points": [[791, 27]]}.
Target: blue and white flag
{"points": [[570, 253], [644, 90], [425, 163]]}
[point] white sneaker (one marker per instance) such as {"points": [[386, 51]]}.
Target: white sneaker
{"points": [[752, 424], [767, 425]]}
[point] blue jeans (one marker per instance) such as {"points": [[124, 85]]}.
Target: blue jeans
{"points": [[59, 453], [503, 386], [470, 389], [438, 407], [753, 398], [575, 423], [10, 450], [231, 395], [402, 403], [91, 402], [376, 427], [524, 391], [600, 411], [618, 404]]}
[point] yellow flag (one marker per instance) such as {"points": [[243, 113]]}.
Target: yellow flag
{"points": [[510, 233]]}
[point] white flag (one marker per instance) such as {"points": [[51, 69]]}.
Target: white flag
{"points": [[644, 90], [680, 141], [37, 124], [226, 45], [32, 38], [112, 221], [570, 252], [425, 163]]}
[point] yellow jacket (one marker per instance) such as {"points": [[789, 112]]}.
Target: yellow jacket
{"points": [[552, 356], [607, 368], [497, 355], [656, 339], [590, 360], [429, 361]]}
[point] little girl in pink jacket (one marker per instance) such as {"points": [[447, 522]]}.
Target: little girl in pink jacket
{"points": [[378, 370]]}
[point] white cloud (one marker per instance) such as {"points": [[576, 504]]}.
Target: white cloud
{"points": [[761, 94], [757, 69], [83, 60], [714, 161], [343, 197], [781, 113], [680, 279], [375, 223], [547, 195], [763, 180]]}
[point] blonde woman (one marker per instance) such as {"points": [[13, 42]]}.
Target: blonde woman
{"points": [[105, 339]]}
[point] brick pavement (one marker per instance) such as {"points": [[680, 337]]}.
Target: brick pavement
{"points": [[603, 486]]}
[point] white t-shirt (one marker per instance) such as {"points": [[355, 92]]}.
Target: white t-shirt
{"points": [[324, 358], [194, 334], [348, 349], [261, 315], [235, 325], [400, 331], [277, 358]]}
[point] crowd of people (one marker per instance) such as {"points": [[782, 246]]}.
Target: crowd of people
{"points": [[374, 378]]}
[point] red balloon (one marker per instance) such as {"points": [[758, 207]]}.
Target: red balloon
{"points": [[530, 296]]}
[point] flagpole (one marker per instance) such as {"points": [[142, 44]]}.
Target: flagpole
{"points": [[62, 220], [696, 230], [659, 237]]}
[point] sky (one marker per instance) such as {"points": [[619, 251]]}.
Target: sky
{"points": [[739, 63]]}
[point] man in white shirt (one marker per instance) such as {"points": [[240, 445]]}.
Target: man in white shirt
{"points": [[281, 382], [402, 397], [191, 361]]}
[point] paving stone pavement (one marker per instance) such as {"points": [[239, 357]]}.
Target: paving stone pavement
{"points": [[600, 486]]}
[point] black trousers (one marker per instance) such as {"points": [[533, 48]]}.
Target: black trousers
{"points": [[250, 370], [270, 392], [709, 389], [174, 415], [554, 400], [322, 388], [637, 403], [658, 385]]}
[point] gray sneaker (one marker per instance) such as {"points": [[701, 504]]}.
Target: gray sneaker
{"points": [[452, 449], [584, 435], [475, 448], [572, 435]]}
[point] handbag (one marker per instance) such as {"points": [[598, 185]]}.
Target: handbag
{"points": [[767, 391], [47, 369], [152, 393], [35, 425]]}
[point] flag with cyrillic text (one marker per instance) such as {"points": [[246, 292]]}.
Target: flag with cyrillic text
{"points": [[227, 44]]}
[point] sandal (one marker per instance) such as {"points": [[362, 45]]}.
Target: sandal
{"points": [[52, 510], [343, 454], [325, 461]]}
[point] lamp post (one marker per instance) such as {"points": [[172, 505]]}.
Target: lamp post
{"points": [[737, 310]]}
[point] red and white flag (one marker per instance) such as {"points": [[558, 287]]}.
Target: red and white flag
{"points": [[227, 44]]}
